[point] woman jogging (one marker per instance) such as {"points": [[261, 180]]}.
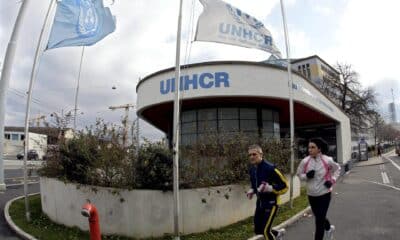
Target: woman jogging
{"points": [[320, 173]]}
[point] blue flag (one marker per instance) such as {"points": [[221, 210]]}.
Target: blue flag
{"points": [[80, 23]]}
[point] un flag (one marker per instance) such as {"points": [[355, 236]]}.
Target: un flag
{"points": [[80, 23]]}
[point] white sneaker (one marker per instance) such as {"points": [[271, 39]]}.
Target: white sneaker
{"points": [[280, 234], [329, 233]]}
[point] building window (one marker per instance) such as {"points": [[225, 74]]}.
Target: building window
{"points": [[14, 137], [189, 127], [270, 124], [308, 70], [22, 137], [7, 136], [199, 124], [248, 120]]}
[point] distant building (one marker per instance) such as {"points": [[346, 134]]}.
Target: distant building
{"points": [[323, 75], [315, 69], [14, 143], [392, 112], [39, 139]]}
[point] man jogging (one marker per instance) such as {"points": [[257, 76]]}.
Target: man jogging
{"points": [[267, 183]]}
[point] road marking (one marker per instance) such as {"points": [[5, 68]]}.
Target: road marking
{"points": [[395, 188], [385, 178], [16, 178], [384, 175], [394, 164], [20, 184]]}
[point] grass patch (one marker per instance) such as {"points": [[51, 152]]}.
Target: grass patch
{"points": [[43, 228]]}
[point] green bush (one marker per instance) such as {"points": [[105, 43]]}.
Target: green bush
{"points": [[97, 156], [94, 156], [154, 167], [220, 159]]}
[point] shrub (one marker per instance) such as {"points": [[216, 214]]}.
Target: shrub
{"points": [[153, 169], [96, 156]]}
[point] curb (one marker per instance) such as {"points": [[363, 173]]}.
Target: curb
{"points": [[293, 219], [373, 164], [385, 155], [10, 222], [21, 184], [286, 223]]}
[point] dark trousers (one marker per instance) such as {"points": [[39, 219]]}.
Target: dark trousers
{"points": [[263, 218], [319, 206]]}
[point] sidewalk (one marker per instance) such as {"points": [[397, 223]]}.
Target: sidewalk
{"points": [[19, 164], [358, 209], [369, 162], [373, 160]]}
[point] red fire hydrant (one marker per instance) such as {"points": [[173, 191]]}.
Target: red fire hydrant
{"points": [[90, 211]]}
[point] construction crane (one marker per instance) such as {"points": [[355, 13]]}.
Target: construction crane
{"points": [[37, 119], [125, 121]]}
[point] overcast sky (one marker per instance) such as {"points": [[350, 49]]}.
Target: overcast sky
{"points": [[358, 32]]}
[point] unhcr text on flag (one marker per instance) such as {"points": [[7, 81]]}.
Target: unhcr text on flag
{"points": [[223, 23], [80, 23]]}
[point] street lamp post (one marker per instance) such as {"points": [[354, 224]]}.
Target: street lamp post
{"points": [[4, 82]]}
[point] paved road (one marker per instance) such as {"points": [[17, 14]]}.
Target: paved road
{"points": [[14, 179], [365, 205]]}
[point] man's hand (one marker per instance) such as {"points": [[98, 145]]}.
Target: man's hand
{"points": [[264, 187], [250, 194], [310, 174]]}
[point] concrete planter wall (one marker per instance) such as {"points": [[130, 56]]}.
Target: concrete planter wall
{"points": [[145, 213]]}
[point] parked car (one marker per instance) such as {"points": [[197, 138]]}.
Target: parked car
{"points": [[398, 149], [32, 155]]}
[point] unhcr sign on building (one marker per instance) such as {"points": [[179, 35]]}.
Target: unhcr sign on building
{"points": [[195, 81], [255, 96]]}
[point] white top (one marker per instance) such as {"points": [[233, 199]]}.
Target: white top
{"points": [[315, 186]]}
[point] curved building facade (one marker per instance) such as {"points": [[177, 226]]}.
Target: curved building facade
{"points": [[249, 97]]}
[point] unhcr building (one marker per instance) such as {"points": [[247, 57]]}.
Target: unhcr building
{"points": [[249, 97]]}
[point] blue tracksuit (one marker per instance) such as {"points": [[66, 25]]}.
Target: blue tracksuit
{"points": [[267, 202]]}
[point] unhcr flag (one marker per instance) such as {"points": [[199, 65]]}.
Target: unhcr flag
{"points": [[223, 23], [80, 23]]}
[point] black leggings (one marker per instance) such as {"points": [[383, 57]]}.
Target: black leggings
{"points": [[319, 206], [263, 219]]}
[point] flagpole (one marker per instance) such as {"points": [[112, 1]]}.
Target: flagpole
{"points": [[137, 137], [77, 88], [4, 82], [175, 123], [28, 108], [290, 81]]}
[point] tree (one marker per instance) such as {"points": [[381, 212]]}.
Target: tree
{"points": [[62, 122], [388, 133], [348, 94], [377, 124]]}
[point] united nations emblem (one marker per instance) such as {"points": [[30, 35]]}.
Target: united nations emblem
{"points": [[88, 19], [244, 18]]}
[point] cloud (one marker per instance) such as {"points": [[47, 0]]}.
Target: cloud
{"points": [[322, 10], [367, 38], [144, 42]]}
